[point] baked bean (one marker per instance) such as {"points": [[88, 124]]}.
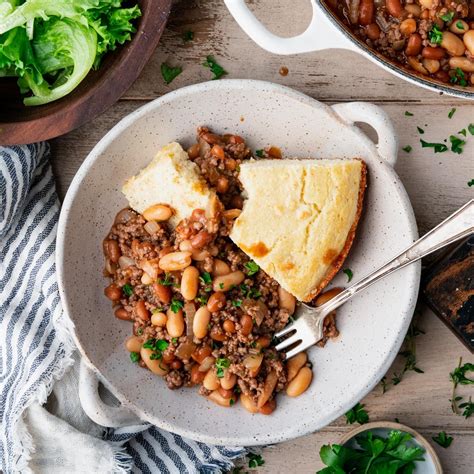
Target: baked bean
{"points": [[225, 393], [112, 250], [229, 380], [452, 44], [413, 45], [218, 152], [216, 301], [300, 383], [175, 261], [269, 385], [228, 326], [168, 357], [216, 397], [113, 292], [232, 214], [431, 65], [416, 65], [413, 9], [394, 7], [133, 344], [237, 202], [190, 283], [428, 4], [459, 27], [162, 292], [327, 295], [247, 324], [425, 15], [196, 376], [263, 342], [274, 152], [146, 279], [176, 364], [366, 12], [123, 314], [185, 246], [286, 300], [468, 40], [229, 281], [442, 76], [373, 31], [201, 239], [236, 139], [248, 403], [142, 312], [222, 185], [211, 381], [211, 138], [201, 322], [157, 212], [200, 255], [193, 151], [220, 268], [464, 64], [201, 353], [268, 408], [157, 366], [294, 365], [217, 334], [230, 164], [175, 323], [159, 319], [432, 53], [408, 26]]}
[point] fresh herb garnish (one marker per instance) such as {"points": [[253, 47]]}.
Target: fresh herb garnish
{"points": [[435, 36], [139, 331], [134, 357], [407, 148], [202, 300], [468, 408], [357, 414], [127, 289], [255, 460], [458, 77], [237, 303], [157, 310], [176, 305], [206, 278], [443, 439], [459, 377], [470, 127], [470, 183], [349, 274], [438, 147], [167, 281], [252, 268], [451, 112], [221, 364], [456, 144], [259, 153], [408, 114], [463, 132], [174, 340], [215, 68], [250, 292], [170, 73], [188, 36], [394, 454], [221, 286], [460, 25], [420, 130], [157, 346], [447, 17]]}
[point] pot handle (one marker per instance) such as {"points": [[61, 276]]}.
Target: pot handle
{"points": [[95, 408], [374, 116], [319, 34]]}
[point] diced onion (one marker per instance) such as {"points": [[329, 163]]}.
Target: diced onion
{"points": [[189, 311], [152, 227], [206, 364], [382, 22], [185, 349], [354, 10], [126, 262]]}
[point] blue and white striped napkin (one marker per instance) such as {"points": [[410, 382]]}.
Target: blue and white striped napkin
{"points": [[35, 346]]}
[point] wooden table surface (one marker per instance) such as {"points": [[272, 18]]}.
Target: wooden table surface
{"points": [[436, 184]]}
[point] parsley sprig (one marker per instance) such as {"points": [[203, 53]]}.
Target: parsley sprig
{"points": [[170, 73], [348, 273], [221, 364], [255, 460], [357, 414], [127, 289], [252, 268], [443, 439], [215, 68], [459, 376], [176, 305], [435, 35], [157, 346]]}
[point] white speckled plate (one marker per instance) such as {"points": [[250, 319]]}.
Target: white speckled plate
{"points": [[372, 325]]}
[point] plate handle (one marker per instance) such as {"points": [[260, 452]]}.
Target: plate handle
{"points": [[95, 408], [319, 34], [374, 116]]}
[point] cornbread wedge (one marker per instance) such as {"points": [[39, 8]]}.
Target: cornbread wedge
{"points": [[171, 178], [300, 218]]}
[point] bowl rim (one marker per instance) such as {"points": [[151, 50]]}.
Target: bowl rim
{"points": [[95, 153]]}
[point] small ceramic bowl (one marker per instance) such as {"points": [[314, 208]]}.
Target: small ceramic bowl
{"points": [[431, 465]]}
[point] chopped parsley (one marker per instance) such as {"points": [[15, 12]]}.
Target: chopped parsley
{"points": [[459, 25], [176, 305], [167, 281], [451, 112], [202, 300], [252, 268], [459, 77], [170, 73], [237, 303], [255, 460], [407, 148], [349, 274], [127, 289], [215, 68], [408, 114], [420, 130], [139, 331], [259, 153], [250, 292], [221, 286], [438, 147], [174, 340], [206, 278], [357, 414], [134, 357], [221, 364], [470, 127], [456, 144], [188, 36], [470, 183], [443, 439], [435, 36], [447, 17], [459, 376], [231, 401], [157, 346], [463, 132]]}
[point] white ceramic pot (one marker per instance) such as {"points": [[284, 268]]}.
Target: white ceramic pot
{"points": [[372, 325], [326, 31]]}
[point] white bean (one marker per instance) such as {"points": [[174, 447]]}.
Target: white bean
{"points": [[300, 383], [201, 322]]}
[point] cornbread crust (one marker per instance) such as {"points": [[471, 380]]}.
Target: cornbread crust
{"points": [[305, 213]]}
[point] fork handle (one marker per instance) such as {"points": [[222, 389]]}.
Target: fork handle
{"points": [[455, 227]]}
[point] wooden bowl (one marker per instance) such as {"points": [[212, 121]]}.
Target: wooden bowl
{"points": [[99, 90]]}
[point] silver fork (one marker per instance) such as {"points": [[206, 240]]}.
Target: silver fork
{"points": [[308, 327]]}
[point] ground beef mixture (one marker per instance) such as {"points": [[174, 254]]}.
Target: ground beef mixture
{"points": [[202, 312], [433, 38]]}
